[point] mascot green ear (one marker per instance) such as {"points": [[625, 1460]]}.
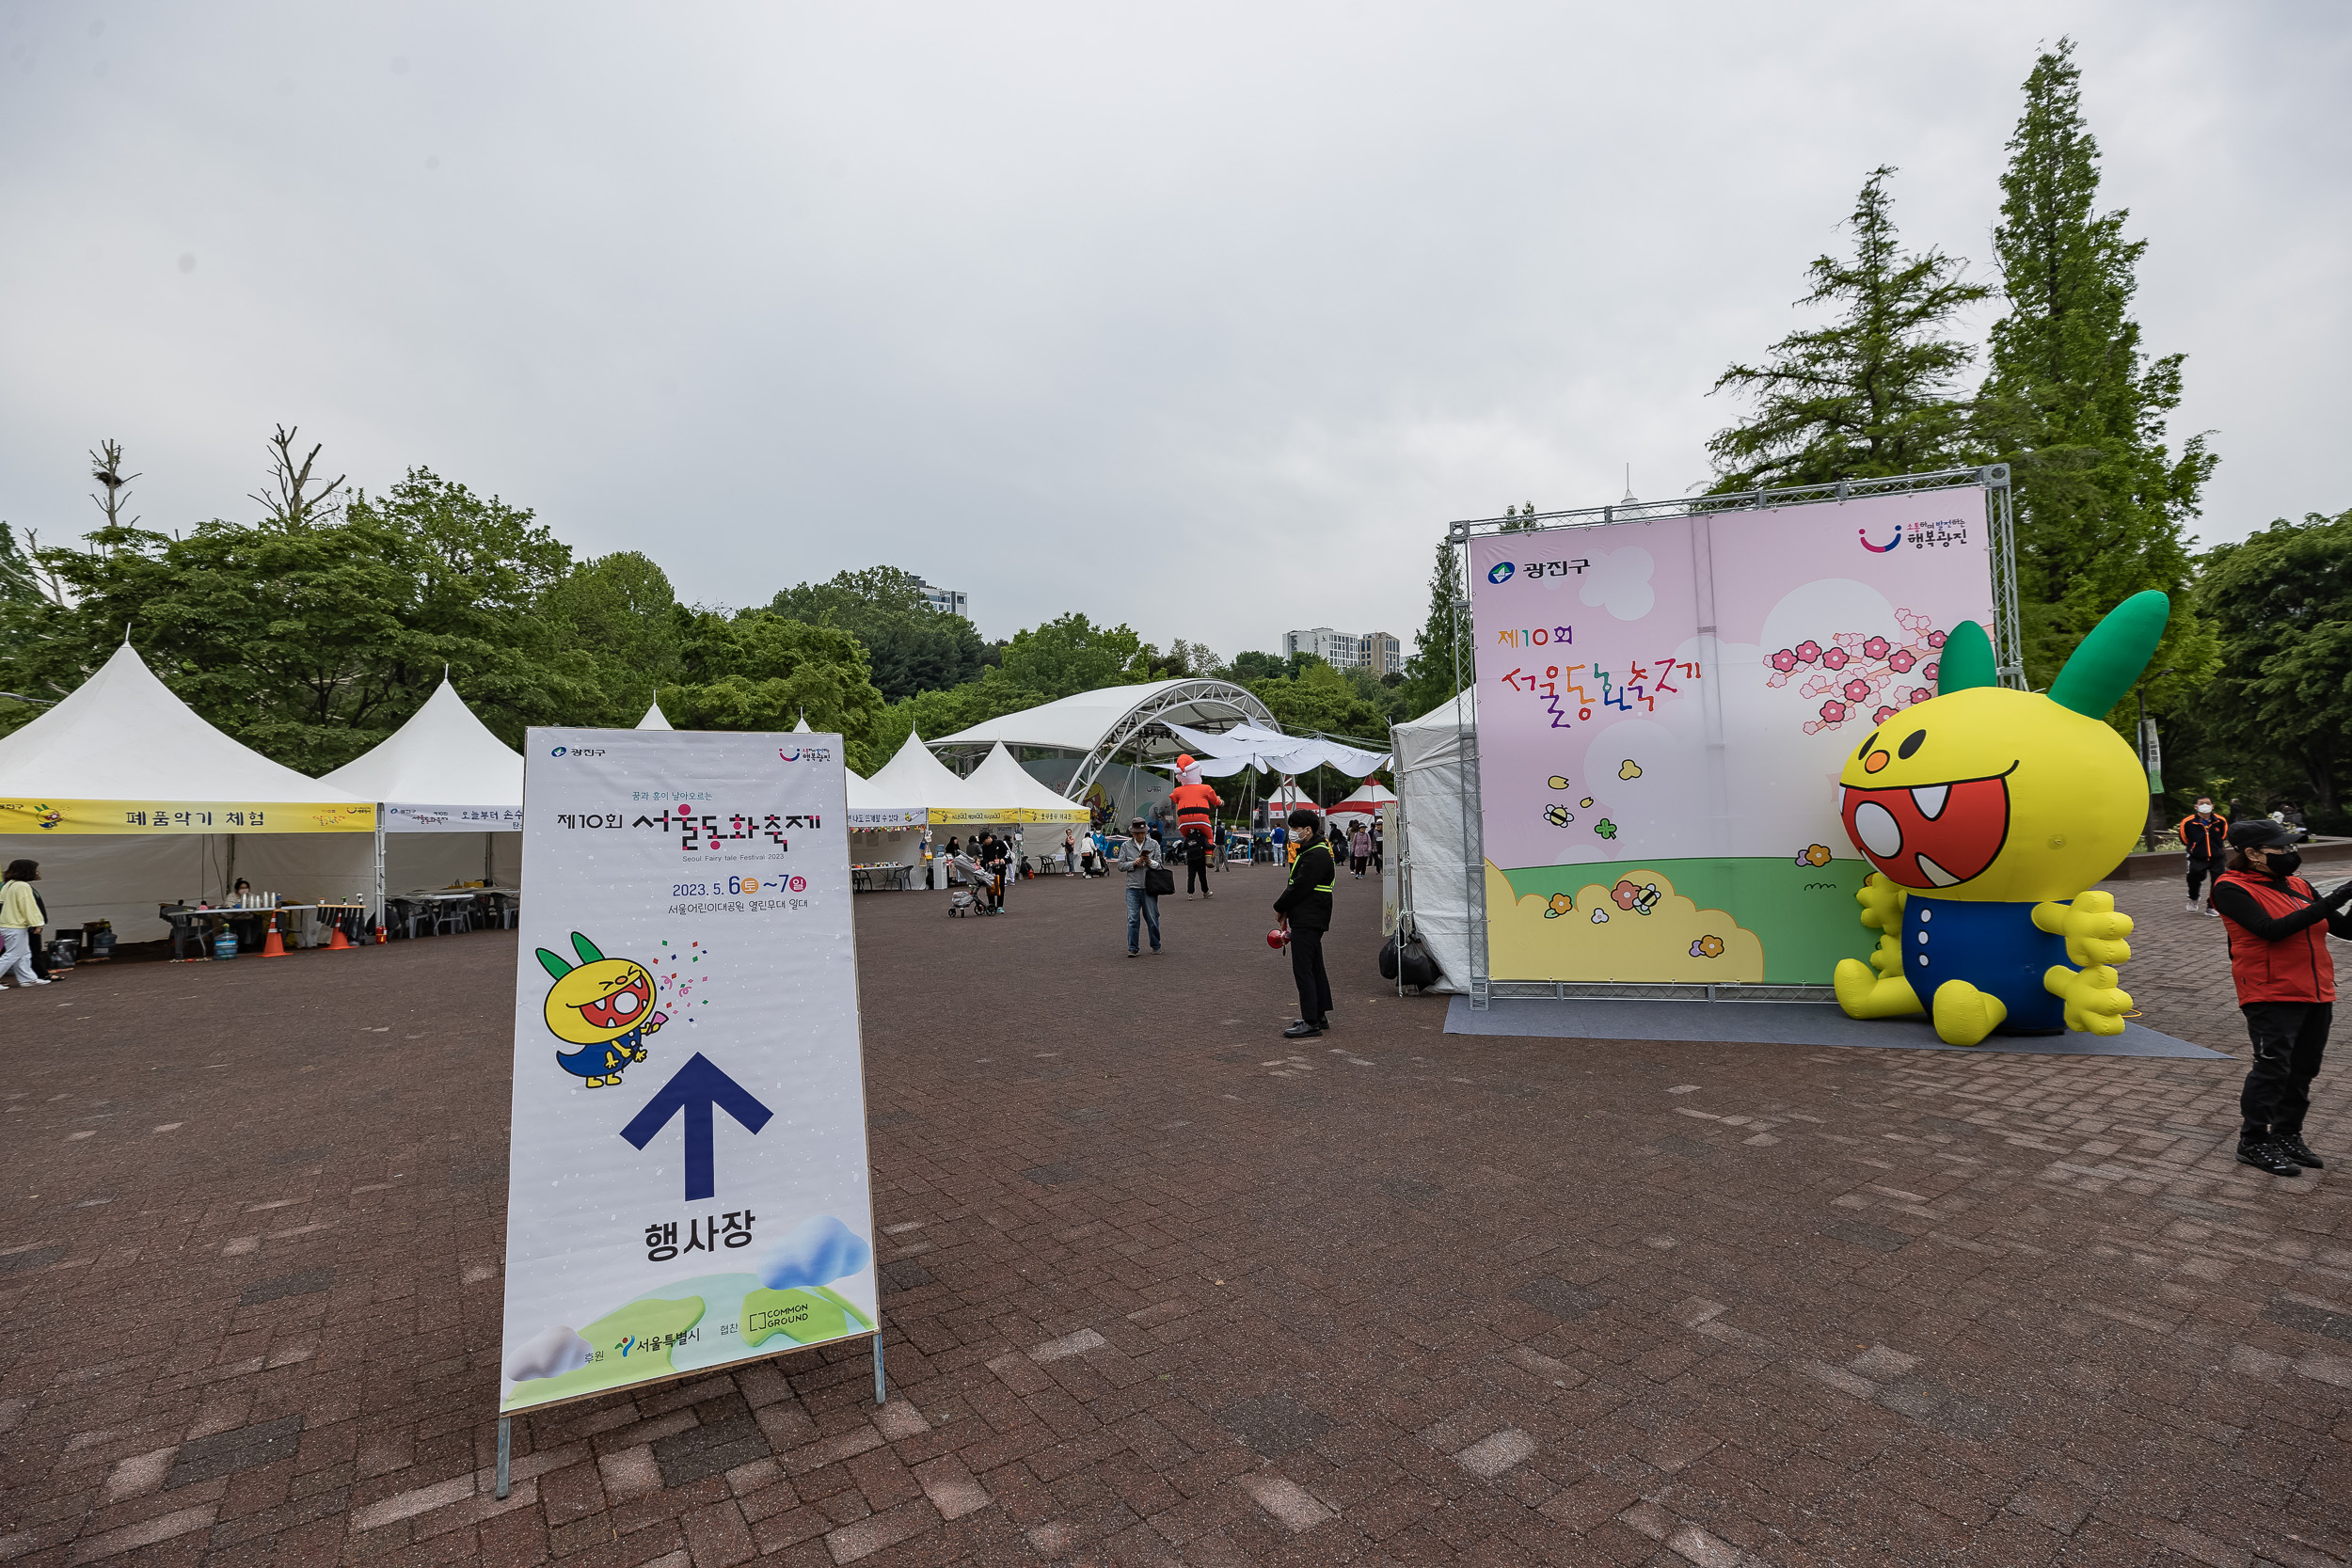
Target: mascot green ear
{"points": [[2111, 658], [586, 949], [552, 964], [1967, 659]]}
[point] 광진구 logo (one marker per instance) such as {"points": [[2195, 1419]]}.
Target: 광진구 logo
{"points": [[1501, 572]]}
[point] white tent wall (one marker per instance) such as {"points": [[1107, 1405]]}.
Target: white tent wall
{"points": [[417, 861], [308, 868], [1429, 842], [122, 877], [875, 846]]}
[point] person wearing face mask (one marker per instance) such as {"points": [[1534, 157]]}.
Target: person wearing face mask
{"points": [[2204, 833], [2286, 987]]}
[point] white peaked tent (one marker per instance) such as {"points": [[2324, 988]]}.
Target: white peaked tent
{"points": [[917, 778], [654, 720], [451, 796], [1365, 800], [1430, 855], [1000, 780], [801, 728], [129, 799]]}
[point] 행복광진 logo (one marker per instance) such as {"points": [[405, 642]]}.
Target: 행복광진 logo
{"points": [[1894, 539]]}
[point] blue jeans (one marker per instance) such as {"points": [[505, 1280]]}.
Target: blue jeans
{"points": [[1145, 907]]}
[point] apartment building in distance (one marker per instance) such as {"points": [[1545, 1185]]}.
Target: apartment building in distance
{"points": [[947, 601], [1377, 651]]}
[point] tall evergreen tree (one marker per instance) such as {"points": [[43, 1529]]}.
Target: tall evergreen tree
{"points": [[2070, 403], [1870, 395], [1429, 678]]}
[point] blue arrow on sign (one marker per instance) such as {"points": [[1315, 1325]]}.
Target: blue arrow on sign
{"points": [[695, 1088]]}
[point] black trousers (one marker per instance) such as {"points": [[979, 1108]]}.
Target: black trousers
{"points": [[1195, 874], [2199, 870], [2289, 1039], [1314, 986]]}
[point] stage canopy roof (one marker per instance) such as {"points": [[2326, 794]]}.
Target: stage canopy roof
{"points": [[652, 719], [1096, 725], [442, 771], [121, 746]]}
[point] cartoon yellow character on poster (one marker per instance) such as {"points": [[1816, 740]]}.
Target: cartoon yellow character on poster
{"points": [[605, 1006]]}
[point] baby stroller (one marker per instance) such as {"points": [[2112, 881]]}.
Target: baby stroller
{"points": [[963, 901]]}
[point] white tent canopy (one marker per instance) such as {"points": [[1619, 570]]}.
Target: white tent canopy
{"points": [[652, 719], [917, 778], [1432, 869], [999, 780], [1247, 746], [441, 779], [129, 799], [442, 771], [123, 736], [1366, 800]]}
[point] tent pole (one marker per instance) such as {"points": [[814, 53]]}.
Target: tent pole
{"points": [[379, 865]]}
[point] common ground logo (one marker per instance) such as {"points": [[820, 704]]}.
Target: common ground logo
{"points": [[1501, 572]]}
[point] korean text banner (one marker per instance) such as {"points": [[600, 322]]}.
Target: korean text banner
{"points": [[1664, 707], [408, 818], [688, 1178], [183, 816]]}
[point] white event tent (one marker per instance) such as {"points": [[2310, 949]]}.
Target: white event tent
{"points": [[1000, 780], [449, 795], [1366, 800], [654, 720], [1428, 860], [129, 799]]}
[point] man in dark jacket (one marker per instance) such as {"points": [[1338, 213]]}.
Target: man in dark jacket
{"points": [[996, 858], [2204, 833], [1306, 910]]}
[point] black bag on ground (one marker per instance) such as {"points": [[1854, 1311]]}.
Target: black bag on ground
{"points": [[1387, 957], [1159, 881], [1414, 965]]}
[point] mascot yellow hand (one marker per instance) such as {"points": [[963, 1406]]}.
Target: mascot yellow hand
{"points": [[1887, 993], [2094, 1004], [2093, 928]]}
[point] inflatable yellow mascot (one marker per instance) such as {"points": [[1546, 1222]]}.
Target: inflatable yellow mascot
{"points": [[1988, 811]]}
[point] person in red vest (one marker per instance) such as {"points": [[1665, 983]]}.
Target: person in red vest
{"points": [[2286, 987], [2204, 833]]}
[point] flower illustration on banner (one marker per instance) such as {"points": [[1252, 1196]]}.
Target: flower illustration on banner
{"points": [[1561, 904], [1708, 948], [1853, 674]]}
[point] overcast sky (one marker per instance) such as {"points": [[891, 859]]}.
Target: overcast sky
{"points": [[1111, 308]]}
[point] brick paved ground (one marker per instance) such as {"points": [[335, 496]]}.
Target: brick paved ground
{"points": [[1163, 1290]]}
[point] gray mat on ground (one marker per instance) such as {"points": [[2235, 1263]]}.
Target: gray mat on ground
{"points": [[1777, 1024]]}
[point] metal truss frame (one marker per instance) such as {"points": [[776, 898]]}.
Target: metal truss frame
{"points": [[2008, 655]]}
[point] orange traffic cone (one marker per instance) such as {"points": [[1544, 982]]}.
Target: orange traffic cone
{"points": [[272, 947], [338, 940]]}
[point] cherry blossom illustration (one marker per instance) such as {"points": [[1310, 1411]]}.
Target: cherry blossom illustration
{"points": [[1855, 672]]}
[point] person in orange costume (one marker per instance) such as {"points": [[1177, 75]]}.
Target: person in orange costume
{"points": [[1196, 803]]}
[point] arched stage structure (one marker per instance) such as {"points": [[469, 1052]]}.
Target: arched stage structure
{"points": [[1073, 744]]}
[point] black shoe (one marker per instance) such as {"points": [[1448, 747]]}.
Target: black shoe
{"points": [[1303, 1030], [2267, 1156], [2293, 1148]]}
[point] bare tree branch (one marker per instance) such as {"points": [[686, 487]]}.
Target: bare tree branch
{"points": [[295, 506], [106, 469]]}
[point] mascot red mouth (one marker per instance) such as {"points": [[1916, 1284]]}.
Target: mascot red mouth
{"points": [[621, 1008], [1930, 835]]}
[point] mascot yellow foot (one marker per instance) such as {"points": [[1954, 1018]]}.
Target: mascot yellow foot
{"points": [[1964, 1015], [1863, 992]]}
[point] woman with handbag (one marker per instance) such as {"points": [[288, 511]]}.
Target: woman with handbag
{"points": [[1147, 878]]}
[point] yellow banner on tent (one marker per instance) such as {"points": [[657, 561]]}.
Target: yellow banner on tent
{"points": [[953, 814], [183, 816], [1051, 814]]}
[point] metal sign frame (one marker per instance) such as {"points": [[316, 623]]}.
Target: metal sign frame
{"points": [[2008, 654]]}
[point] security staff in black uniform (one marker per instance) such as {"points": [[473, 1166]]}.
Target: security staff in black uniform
{"points": [[1306, 910]]}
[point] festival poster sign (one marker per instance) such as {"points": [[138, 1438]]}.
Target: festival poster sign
{"points": [[688, 1177], [1664, 707]]}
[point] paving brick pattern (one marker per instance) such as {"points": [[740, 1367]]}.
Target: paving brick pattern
{"points": [[1163, 1288]]}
